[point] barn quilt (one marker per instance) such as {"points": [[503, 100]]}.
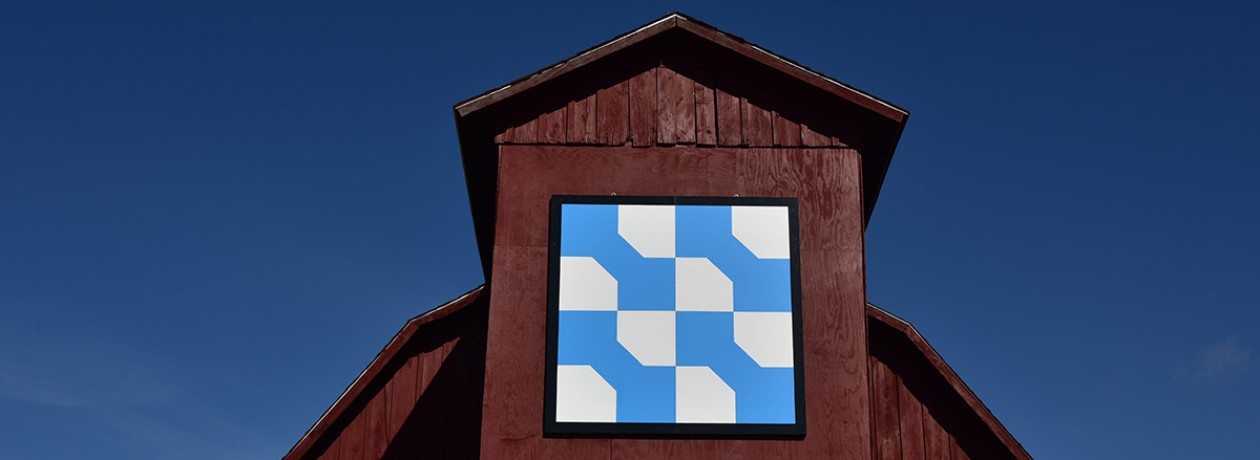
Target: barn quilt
{"points": [[675, 313]]}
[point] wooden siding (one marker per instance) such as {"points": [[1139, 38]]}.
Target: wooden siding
{"points": [[665, 106], [671, 85], [919, 413], [420, 398], [827, 183]]}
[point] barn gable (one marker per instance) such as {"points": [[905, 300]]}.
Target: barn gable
{"points": [[675, 82], [422, 392], [674, 108]]}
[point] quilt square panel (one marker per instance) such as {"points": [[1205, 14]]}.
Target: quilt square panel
{"points": [[674, 316]]}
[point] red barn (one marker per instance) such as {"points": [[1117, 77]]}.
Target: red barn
{"points": [[673, 108]]}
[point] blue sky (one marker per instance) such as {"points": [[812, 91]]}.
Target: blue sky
{"points": [[213, 216]]}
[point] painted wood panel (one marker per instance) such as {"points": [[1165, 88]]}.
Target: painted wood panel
{"points": [[935, 439], [676, 108], [721, 104], [424, 401], [706, 108], [833, 290], [643, 108], [910, 417], [917, 412], [552, 126], [730, 124], [886, 412], [581, 121], [612, 119]]}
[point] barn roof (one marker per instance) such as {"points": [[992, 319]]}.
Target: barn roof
{"points": [[923, 350], [399, 342], [681, 21], [412, 331], [480, 118]]}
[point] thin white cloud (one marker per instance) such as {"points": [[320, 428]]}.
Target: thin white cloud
{"points": [[1223, 360]]}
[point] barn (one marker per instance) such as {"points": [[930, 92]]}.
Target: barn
{"points": [[744, 180]]}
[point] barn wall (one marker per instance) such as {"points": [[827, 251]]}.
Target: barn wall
{"points": [[672, 89], [917, 414], [425, 402], [703, 104], [827, 183]]}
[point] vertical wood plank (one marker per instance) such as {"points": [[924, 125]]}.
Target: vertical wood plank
{"points": [[445, 385], [758, 124], [811, 138], [911, 417], [432, 364], [612, 121], [581, 119], [729, 111], [526, 133], [935, 439], [812, 114], [643, 108], [551, 127], [884, 388], [955, 451], [504, 137], [402, 400], [333, 452], [351, 439], [787, 131], [375, 440], [676, 108], [706, 110]]}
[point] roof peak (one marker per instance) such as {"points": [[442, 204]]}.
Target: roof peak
{"points": [[679, 21]]}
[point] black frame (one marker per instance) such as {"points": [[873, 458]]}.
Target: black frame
{"points": [[552, 428]]}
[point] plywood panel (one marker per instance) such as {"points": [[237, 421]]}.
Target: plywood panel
{"points": [[512, 415], [833, 296]]}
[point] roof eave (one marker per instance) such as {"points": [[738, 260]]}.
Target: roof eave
{"points": [[681, 21], [947, 372]]}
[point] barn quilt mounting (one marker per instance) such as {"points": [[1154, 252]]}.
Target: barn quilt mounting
{"points": [[674, 315]]}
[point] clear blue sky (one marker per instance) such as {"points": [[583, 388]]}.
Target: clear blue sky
{"points": [[212, 217]]}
